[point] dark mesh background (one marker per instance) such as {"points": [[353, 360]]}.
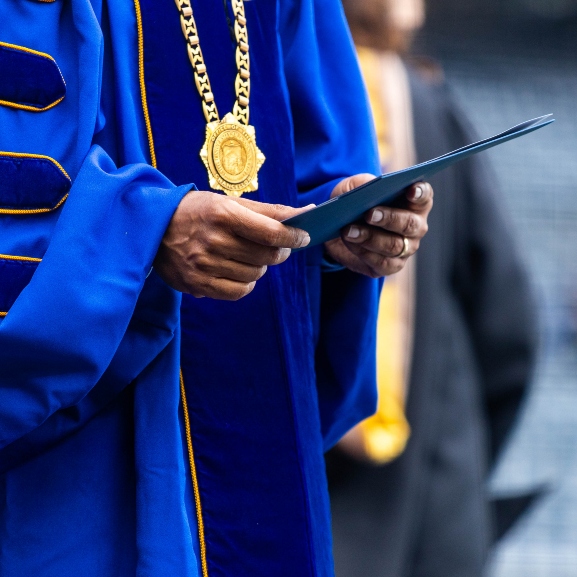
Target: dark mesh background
{"points": [[507, 62]]}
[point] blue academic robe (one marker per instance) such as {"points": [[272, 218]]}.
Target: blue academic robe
{"points": [[94, 467]]}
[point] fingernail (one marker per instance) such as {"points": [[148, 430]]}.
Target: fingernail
{"points": [[418, 192], [305, 241], [284, 253], [377, 216], [354, 232]]}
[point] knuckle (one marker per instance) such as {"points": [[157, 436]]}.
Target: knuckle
{"points": [[379, 267], [278, 209], [391, 218], [411, 225], [214, 237], [386, 266], [394, 246], [272, 237], [383, 265], [221, 213], [203, 262], [295, 237], [368, 235]]}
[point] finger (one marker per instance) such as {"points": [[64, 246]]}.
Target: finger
{"points": [[251, 253], [223, 289], [348, 184], [340, 253], [378, 264], [232, 270], [383, 243], [275, 211], [265, 230], [220, 245], [398, 220], [420, 195]]}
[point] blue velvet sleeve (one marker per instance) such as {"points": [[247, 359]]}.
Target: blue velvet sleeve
{"points": [[91, 317], [67, 325], [333, 138]]}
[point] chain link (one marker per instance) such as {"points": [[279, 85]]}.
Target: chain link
{"points": [[242, 82]]}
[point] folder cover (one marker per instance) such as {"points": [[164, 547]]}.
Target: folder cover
{"points": [[325, 221]]}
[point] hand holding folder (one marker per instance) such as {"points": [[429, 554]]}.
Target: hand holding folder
{"points": [[325, 221]]}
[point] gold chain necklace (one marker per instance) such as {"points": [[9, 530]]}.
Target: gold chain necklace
{"points": [[230, 153]]}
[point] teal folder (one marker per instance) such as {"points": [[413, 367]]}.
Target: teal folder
{"points": [[325, 221]]}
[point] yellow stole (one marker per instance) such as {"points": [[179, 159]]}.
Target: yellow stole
{"points": [[384, 435]]}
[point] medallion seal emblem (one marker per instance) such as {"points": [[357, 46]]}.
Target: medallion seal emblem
{"points": [[231, 156]]}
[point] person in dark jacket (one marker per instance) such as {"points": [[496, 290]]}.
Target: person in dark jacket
{"points": [[426, 513]]}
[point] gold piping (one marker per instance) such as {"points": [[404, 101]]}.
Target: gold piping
{"points": [[24, 49], [194, 479], [20, 258], [10, 104], [2, 314], [142, 84], [30, 108], [34, 210], [41, 156]]}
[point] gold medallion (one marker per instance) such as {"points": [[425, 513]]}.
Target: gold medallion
{"points": [[230, 153], [231, 156]]}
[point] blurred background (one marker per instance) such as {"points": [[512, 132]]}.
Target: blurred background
{"points": [[507, 60]]}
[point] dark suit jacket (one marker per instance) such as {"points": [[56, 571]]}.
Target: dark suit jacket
{"points": [[427, 513]]}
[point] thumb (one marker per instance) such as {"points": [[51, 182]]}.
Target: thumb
{"points": [[351, 182], [278, 212]]}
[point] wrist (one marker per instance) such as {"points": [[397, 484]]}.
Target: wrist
{"points": [[329, 264]]}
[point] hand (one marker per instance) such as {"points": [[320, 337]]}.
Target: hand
{"points": [[218, 246], [374, 249]]}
